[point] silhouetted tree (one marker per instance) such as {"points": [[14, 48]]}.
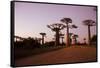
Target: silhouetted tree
{"points": [[50, 44], [89, 23], [43, 34], [70, 37], [84, 40], [67, 21], [94, 39], [39, 40], [62, 37], [75, 38], [56, 28], [27, 43]]}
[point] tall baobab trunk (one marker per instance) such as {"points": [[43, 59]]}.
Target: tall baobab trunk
{"points": [[75, 41], [39, 40], [68, 41], [57, 37], [62, 39], [89, 35], [84, 40], [42, 39], [43, 34]]}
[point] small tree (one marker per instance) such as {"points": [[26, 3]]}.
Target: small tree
{"points": [[43, 34], [62, 37], [75, 38], [70, 37], [94, 39], [84, 40]]}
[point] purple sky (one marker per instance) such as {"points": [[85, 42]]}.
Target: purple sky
{"points": [[33, 18]]}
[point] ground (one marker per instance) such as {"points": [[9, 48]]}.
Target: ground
{"points": [[65, 55]]}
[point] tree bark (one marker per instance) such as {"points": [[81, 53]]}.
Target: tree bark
{"points": [[89, 35], [57, 38], [42, 39], [62, 40], [68, 41]]}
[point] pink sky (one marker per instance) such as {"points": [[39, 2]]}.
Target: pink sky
{"points": [[33, 18]]}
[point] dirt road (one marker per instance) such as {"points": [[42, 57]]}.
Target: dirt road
{"points": [[65, 55]]}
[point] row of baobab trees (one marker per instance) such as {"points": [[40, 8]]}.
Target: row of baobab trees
{"points": [[57, 27]]}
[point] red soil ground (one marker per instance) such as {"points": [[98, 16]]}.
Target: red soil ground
{"points": [[66, 55]]}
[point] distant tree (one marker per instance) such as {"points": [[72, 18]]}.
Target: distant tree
{"points": [[70, 37], [62, 37], [89, 23], [75, 38], [39, 40], [27, 43], [43, 35], [50, 44], [84, 40], [94, 39]]}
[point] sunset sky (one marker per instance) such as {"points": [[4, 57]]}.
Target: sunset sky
{"points": [[33, 18]]}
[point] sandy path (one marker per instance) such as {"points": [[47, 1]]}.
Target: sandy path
{"points": [[65, 55]]}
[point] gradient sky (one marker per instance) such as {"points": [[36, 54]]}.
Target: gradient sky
{"points": [[33, 18]]}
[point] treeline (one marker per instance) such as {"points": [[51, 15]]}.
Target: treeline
{"points": [[31, 43], [27, 43]]}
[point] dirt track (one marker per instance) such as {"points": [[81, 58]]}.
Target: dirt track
{"points": [[65, 55]]}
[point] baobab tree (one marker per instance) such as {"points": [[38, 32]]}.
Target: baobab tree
{"points": [[43, 35], [67, 21], [70, 37], [56, 28], [84, 40], [89, 23], [75, 38], [39, 40], [62, 37]]}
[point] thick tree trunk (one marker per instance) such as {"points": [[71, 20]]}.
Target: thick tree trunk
{"points": [[42, 40], [89, 35], [57, 38], [68, 41], [62, 40], [75, 41]]}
